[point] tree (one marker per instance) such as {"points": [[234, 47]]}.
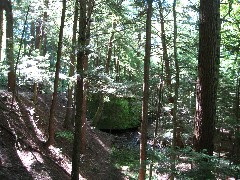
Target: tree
{"points": [[176, 86], [208, 65], [71, 69], [79, 90], [1, 31], [7, 6], [51, 126], [90, 7], [143, 141], [164, 46], [44, 34]]}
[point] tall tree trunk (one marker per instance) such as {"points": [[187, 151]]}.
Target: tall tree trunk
{"points": [[44, 34], [79, 91], [38, 40], [164, 46], [159, 106], [33, 38], [110, 48], [143, 141], [1, 32], [7, 6], [174, 119], [84, 109], [208, 67], [51, 126], [176, 75], [38, 45], [68, 116], [117, 69], [90, 6], [237, 130]]}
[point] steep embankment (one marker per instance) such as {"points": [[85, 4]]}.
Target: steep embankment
{"points": [[23, 131]]}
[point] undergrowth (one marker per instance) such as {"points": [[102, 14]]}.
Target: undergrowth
{"points": [[189, 164], [68, 135]]}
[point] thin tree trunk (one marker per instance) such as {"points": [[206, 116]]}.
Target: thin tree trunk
{"points": [[139, 48], [117, 70], [84, 109], [38, 45], [208, 65], [98, 114], [110, 47], [79, 91], [33, 38], [20, 47], [51, 126], [1, 32], [67, 121], [159, 106], [174, 119], [237, 137], [38, 40], [143, 140], [44, 34], [164, 46]]}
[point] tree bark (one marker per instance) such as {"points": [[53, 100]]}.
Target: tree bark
{"points": [[38, 39], [1, 32], [164, 46], [208, 65], [7, 6], [51, 125], [44, 34], [174, 119], [90, 6], [237, 130], [67, 121], [110, 47], [33, 37], [79, 93], [143, 140]]}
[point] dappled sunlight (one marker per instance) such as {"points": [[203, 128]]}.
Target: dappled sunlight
{"points": [[183, 167], [34, 164], [106, 148], [38, 132], [62, 160]]}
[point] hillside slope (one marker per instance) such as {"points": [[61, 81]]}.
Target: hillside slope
{"points": [[23, 131]]}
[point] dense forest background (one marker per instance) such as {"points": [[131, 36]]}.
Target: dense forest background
{"points": [[135, 69]]}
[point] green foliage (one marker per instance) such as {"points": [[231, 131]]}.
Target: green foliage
{"points": [[35, 68], [118, 113], [128, 158], [194, 165], [210, 167], [3, 77], [68, 135]]}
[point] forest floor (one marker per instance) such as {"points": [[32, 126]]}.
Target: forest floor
{"points": [[23, 131]]}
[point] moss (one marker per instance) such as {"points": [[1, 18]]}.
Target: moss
{"points": [[118, 112]]}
